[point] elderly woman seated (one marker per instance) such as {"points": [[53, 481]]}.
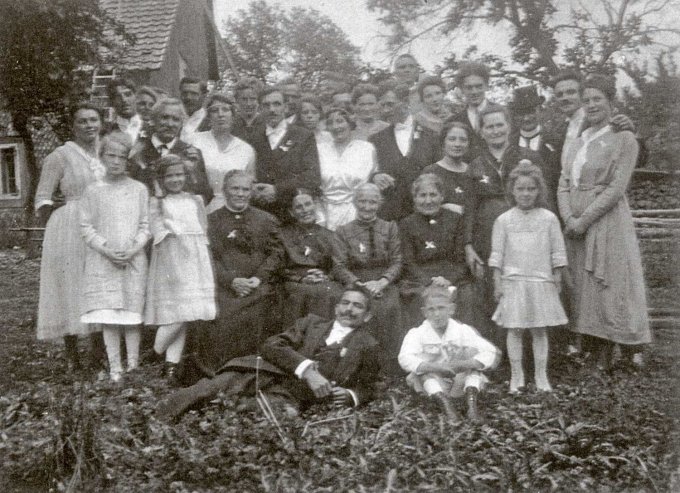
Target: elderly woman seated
{"points": [[367, 253], [432, 245], [246, 256], [444, 358], [307, 260]]}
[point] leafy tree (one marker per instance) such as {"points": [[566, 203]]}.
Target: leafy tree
{"points": [[42, 44], [266, 40], [543, 32]]}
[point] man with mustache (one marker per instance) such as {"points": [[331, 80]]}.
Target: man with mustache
{"points": [[315, 361], [167, 116]]}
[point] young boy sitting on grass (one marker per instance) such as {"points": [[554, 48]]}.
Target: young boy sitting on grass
{"points": [[446, 359]]}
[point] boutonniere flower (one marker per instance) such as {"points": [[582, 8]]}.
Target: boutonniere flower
{"points": [[232, 234], [416, 133], [343, 352], [485, 179], [307, 251], [430, 245], [286, 147], [459, 190], [362, 248]]}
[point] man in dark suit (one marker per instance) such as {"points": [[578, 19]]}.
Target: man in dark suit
{"points": [[167, 117], [529, 133], [286, 154], [314, 361], [472, 79], [403, 149], [192, 93], [247, 121]]}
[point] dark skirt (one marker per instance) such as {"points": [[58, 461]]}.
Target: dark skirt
{"points": [[301, 299], [241, 326]]}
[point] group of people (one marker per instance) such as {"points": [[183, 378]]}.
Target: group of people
{"points": [[259, 237]]}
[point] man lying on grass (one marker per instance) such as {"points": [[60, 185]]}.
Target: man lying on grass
{"points": [[316, 360], [445, 358]]}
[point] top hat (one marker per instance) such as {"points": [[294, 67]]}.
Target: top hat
{"points": [[525, 99]]}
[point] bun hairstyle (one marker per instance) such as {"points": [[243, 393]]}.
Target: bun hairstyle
{"points": [[528, 169], [449, 294]]}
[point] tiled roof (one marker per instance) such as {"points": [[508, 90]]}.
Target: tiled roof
{"points": [[150, 22]]}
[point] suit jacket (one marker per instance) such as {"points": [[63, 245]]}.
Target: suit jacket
{"points": [[354, 365], [293, 163], [144, 155], [244, 131], [424, 150]]}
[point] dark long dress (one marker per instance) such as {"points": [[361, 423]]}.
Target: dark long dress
{"points": [[432, 246], [457, 186], [367, 252], [307, 247], [243, 245]]}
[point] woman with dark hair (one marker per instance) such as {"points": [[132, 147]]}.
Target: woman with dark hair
{"points": [[68, 169], [307, 260], [452, 169], [365, 103], [603, 252], [309, 114], [434, 113], [432, 246], [221, 150], [487, 200], [346, 163]]}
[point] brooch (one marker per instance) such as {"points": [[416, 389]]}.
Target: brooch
{"points": [[362, 248], [232, 234], [343, 352], [307, 251], [485, 179], [416, 133], [430, 245], [286, 146], [433, 221], [458, 190]]}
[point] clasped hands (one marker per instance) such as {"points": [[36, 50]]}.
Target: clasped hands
{"points": [[120, 258], [374, 288], [323, 388], [314, 276], [264, 192], [243, 287], [449, 369]]}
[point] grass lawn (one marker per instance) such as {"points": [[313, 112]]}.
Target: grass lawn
{"points": [[606, 433]]}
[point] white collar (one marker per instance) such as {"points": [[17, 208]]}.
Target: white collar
{"points": [[156, 142], [338, 333], [406, 124], [530, 135], [280, 128]]}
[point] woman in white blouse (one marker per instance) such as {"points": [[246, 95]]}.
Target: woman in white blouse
{"points": [[345, 163], [222, 151]]}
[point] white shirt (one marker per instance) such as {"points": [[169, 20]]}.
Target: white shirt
{"points": [[130, 126], [402, 134], [574, 127], [459, 342], [473, 115], [162, 147], [274, 135], [237, 155], [191, 124], [531, 141]]}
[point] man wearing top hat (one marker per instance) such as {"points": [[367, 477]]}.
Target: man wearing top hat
{"points": [[526, 106]]}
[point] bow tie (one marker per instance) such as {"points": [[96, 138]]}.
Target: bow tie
{"points": [[269, 131]]}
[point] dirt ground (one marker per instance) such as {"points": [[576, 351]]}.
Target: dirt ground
{"points": [[615, 432]]}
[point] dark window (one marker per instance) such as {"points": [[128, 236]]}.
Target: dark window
{"points": [[8, 178]]}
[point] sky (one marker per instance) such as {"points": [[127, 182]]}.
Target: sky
{"points": [[364, 30]]}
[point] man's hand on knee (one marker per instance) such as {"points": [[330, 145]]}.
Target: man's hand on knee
{"points": [[318, 384]]}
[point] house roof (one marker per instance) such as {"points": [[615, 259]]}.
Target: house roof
{"points": [[151, 23]]}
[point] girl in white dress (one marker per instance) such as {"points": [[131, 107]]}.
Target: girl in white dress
{"points": [[527, 257], [181, 286], [114, 221], [345, 164]]}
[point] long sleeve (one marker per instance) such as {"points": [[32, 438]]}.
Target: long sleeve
{"points": [[157, 226], [50, 176], [142, 236], [272, 264], [410, 265], [202, 186], [409, 354], [615, 190], [308, 173], [563, 203], [341, 255], [558, 252], [497, 244], [470, 213], [88, 213], [394, 252], [282, 349]]}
